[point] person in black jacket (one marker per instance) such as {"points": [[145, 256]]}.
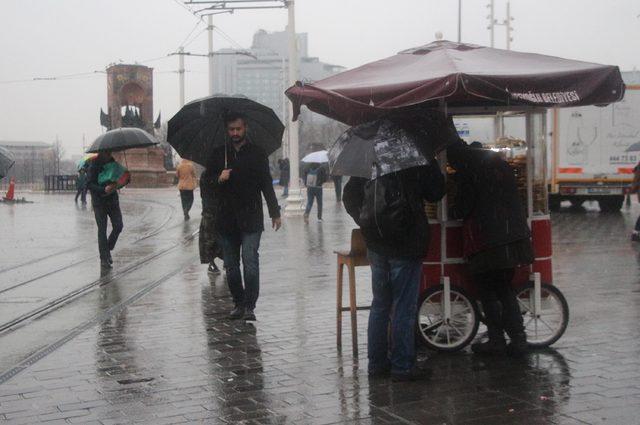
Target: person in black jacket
{"points": [[241, 171], [496, 240], [105, 203], [396, 265]]}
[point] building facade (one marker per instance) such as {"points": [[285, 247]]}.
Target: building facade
{"points": [[266, 77], [34, 160]]}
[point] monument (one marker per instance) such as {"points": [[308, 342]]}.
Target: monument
{"points": [[130, 104]]}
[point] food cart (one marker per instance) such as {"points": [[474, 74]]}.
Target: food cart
{"points": [[449, 314], [458, 79]]}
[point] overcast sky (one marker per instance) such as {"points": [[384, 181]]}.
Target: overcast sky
{"points": [[45, 38]]}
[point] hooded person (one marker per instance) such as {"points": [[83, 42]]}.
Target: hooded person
{"points": [[497, 240]]}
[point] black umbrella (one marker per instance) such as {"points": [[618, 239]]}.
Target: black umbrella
{"points": [[121, 139], [198, 128], [6, 161], [374, 149]]}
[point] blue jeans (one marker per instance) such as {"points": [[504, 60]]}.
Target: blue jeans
{"points": [[314, 192], [395, 283], [246, 295]]}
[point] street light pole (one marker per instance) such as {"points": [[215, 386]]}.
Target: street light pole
{"points": [[210, 30], [459, 21], [294, 200], [181, 74]]}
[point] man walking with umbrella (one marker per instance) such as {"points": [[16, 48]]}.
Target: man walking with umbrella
{"points": [[106, 205], [104, 177], [242, 176]]}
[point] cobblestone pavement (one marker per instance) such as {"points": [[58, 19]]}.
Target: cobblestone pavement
{"points": [[167, 354]]}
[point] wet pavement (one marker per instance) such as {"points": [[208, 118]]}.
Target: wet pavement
{"points": [[149, 342]]}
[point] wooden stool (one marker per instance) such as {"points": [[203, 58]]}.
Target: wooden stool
{"points": [[356, 256]]}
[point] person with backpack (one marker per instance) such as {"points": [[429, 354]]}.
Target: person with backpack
{"points": [[315, 176], [391, 215], [496, 240]]}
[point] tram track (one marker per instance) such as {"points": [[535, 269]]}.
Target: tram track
{"points": [[154, 232], [58, 302], [81, 247]]}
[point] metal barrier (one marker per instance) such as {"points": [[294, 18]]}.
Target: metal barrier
{"points": [[57, 183]]}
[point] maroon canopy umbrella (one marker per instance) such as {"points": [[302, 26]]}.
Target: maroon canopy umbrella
{"points": [[458, 75]]}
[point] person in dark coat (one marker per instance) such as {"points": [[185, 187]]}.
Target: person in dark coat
{"points": [[396, 266], [208, 240], [106, 205], [496, 240], [285, 175], [241, 178], [81, 186]]}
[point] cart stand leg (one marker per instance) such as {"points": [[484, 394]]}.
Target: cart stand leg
{"points": [[339, 306], [353, 309], [446, 282], [537, 297]]}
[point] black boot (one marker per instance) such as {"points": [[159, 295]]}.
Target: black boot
{"points": [[495, 345], [237, 313], [518, 345]]}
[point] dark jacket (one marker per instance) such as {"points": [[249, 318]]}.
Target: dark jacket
{"points": [[239, 198], [285, 172], [420, 184], [98, 195], [488, 201]]}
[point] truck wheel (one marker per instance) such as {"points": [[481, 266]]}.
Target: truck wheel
{"points": [[611, 203]]}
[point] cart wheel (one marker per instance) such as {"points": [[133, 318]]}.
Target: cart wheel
{"points": [[552, 320], [462, 326]]}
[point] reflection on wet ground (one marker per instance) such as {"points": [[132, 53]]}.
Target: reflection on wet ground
{"points": [[169, 355]]}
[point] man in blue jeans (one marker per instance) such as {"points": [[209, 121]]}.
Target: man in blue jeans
{"points": [[397, 236], [315, 175], [241, 178]]}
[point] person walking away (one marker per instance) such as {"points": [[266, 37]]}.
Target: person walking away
{"points": [[396, 232], [187, 182], [106, 205], [285, 175], [496, 241], [315, 175], [337, 185], [242, 177], [81, 186], [208, 238], [635, 188]]}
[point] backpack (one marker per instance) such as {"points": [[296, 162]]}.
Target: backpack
{"points": [[386, 210], [313, 177]]}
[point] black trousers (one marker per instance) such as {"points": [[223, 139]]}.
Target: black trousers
{"points": [[82, 193], [337, 181], [102, 211], [499, 302], [186, 197]]}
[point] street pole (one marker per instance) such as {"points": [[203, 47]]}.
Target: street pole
{"points": [[509, 27], [492, 22], [285, 103], [181, 74], [210, 30], [294, 200], [459, 21]]}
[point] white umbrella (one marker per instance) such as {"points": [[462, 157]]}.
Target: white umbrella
{"points": [[318, 157]]}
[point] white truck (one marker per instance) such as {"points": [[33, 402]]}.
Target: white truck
{"points": [[594, 150]]}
